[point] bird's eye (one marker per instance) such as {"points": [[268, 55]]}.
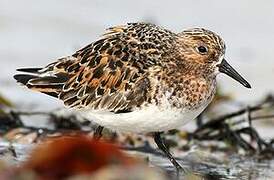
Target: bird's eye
{"points": [[202, 49]]}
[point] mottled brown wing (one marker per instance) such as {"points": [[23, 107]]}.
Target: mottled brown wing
{"points": [[111, 73]]}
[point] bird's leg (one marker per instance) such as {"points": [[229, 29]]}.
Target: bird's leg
{"points": [[199, 120], [159, 141], [98, 132]]}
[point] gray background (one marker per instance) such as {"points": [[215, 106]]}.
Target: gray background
{"points": [[36, 32]]}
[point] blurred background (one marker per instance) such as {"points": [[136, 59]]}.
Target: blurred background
{"points": [[34, 33]]}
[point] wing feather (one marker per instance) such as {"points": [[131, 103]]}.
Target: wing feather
{"points": [[111, 73]]}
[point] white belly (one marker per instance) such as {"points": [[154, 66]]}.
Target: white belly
{"points": [[147, 119]]}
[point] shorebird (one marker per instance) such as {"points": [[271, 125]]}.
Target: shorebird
{"points": [[138, 78]]}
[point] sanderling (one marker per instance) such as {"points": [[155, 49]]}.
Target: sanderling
{"points": [[138, 78]]}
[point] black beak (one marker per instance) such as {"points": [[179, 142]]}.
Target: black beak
{"points": [[224, 67]]}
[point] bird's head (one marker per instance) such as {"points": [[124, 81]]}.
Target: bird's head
{"points": [[205, 49]]}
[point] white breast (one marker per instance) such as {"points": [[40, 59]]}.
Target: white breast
{"points": [[147, 119]]}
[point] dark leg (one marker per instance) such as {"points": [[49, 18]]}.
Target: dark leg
{"points": [[98, 132], [159, 141], [200, 119]]}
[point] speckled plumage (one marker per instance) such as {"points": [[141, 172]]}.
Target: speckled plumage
{"points": [[134, 67], [138, 78]]}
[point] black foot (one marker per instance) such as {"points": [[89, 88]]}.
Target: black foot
{"points": [[159, 141], [98, 132]]}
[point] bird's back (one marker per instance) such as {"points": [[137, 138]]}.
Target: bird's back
{"points": [[113, 73]]}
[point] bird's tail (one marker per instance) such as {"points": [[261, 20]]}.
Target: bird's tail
{"points": [[40, 80]]}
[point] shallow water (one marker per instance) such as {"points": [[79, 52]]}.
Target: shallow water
{"points": [[202, 165]]}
